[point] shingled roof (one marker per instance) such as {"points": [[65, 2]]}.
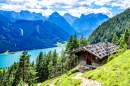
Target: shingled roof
{"points": [[99, 49]]}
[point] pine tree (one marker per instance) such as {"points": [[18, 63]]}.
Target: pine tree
{"points": [[15, 74], [48, 61], [1, 78], [62, 60], [39, 65], [69, 46], [31, 75], [24, 64], [10, 75], [50, 70], [126, 36], [121, 41], [54, 61], [67, 64], [17, 78], [83, 41], [115, 39], [4, 77], [44, 67], [75, 42], [21, 69], [33, 65]]}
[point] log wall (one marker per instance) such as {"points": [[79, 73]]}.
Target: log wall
{"points": [[85, 58]]}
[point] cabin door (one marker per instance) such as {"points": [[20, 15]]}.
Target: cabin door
{"points": [[89, 60]]}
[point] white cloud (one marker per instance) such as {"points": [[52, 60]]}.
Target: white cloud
{"points": [[122, 3], [82, 10], [74, 7], [10, 7], [30, 5], [62, 12], [47, 12]]}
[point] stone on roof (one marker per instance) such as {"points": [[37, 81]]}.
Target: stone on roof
{"points": [[99, 49]]}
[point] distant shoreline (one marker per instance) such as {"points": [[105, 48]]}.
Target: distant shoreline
{"points": [[25, 50]]}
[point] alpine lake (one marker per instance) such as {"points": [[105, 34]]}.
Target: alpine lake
{"points": [[6, 60]]}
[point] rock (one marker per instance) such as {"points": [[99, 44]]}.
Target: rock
{"points": [[74, 71], [104, 68], [86, 67]]}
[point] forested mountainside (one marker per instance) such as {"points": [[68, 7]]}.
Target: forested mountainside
{"points": [[8, 35], [86, 24], [57, 19], [23, 14], [69, 18], [26, 35], [116, 24]]}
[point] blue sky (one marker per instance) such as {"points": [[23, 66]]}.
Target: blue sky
{"points": [[74, 7]]}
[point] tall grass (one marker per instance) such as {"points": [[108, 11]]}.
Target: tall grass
{"points": [[115, 73]]}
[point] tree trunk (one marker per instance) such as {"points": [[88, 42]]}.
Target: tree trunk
{"points": [[23, 70], [70, 63], [62, 69], [73, 62], [54, 71]]}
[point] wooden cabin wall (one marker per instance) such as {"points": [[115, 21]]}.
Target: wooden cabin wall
{"points": [[96, 61], [82, 58], [104, 60]]}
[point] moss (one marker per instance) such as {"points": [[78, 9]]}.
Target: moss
{"points": [[117, 71], [48, 82], [64, 80], [60, 44], [68, 81]]}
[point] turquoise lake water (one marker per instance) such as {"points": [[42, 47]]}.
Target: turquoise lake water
{"points": [[6, 60]]}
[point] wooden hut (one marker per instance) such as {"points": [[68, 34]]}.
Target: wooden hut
{"points": [[93, 55]]}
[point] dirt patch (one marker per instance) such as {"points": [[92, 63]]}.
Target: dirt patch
{"points": [[86, 81]]}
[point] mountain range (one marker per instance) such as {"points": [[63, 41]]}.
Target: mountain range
{"points": [[29, 30], [86, 24], [116, 24], [69, 18], [57, 19], [23, 14], [28, 35]]}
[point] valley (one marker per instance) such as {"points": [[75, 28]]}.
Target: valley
{"points": [[35, 31], [93, 49]]}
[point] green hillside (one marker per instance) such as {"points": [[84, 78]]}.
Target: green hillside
{"points": [[63, 80], [116, 24], [114, 73]]}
